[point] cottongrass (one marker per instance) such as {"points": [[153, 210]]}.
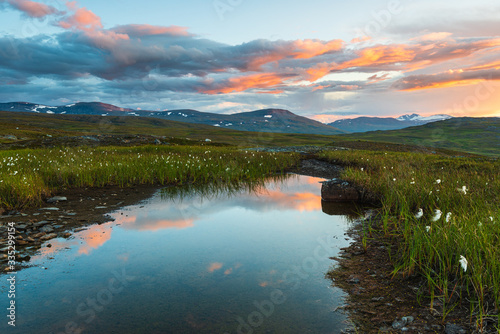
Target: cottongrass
{"points": [[458, 257], [29, 175]]}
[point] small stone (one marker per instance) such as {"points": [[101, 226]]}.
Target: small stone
{"points": [[409, 319], [398, 324], [21, 226], [101, 207], [49, 236], [454, 329], [29, 239], [36, 214], [66, 235], [57, 199], [353, 281], [49, 209], [71, 214], [47, 229], [41, 223], [3, 256]]}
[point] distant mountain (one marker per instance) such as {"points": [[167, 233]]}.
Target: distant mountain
{"points": [[467, 134], [364, 124], [266, 120]]}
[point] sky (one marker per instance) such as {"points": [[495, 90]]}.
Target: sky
{"points": [[321, 59]]}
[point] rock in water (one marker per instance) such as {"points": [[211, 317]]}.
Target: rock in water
{"points": [[339, 191]]}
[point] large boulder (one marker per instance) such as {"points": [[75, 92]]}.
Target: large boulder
{"points": [[337, 190]]}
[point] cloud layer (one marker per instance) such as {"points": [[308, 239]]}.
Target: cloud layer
{"points": [[169, 63]]}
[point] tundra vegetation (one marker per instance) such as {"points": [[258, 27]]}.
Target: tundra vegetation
{"points": [[445, 214]]}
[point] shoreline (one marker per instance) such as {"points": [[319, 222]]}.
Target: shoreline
{"points": [[375, 298]]}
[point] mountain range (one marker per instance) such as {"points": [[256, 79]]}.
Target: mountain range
{"points": [[265, 120], [365, 124]]}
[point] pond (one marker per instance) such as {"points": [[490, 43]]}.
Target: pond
{"points": [[240, 261]]}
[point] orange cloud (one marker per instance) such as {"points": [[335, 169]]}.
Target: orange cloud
{"points": [[214, 266], [239, 84], [380, 55], [82, 18], [228, 271], [139, 30], [304, 49], [33, 9]]}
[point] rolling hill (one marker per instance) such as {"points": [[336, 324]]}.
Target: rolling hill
{"points": [[467, 134], [365, 124], [266, 120]]}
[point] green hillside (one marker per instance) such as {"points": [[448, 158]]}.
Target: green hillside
{"points": [[473, 135]]}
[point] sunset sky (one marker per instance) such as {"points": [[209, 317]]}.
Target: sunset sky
{"points": [[321, 59]]}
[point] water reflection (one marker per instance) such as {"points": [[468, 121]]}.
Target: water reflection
{"points": [[201, 262]]}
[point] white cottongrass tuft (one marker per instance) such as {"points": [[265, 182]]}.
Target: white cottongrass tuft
{"points": [[463, 263], [463, 190], [427, 228], [438, 181], [448, 217], [437, 215], [419, 214]]}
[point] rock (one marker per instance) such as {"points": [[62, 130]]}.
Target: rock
{"points": [[57, 199], [49, 209], [47, 229], [398, 324], [3, 256], [353, 280], [339, 191], [38, 235], [408, 319], [21, 227], [66, 235], [29, 239], [49, 236], [101, 207], [10, 137], [454, 329], [157, 142]]}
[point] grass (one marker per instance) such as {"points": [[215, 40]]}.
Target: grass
{"points": [[27, 176], [472, 135], [37, 126], [432, 246]]}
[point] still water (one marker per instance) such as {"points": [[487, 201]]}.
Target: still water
{"points": [[227, 262]]}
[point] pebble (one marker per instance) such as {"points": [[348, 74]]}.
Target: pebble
{"points": [[49, 236], [49, 209], [47, 229], [101, 207], [454, 329], [57, 199]]}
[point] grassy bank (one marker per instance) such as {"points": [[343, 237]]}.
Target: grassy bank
{"points": [[27, 176], [456, 248]]}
